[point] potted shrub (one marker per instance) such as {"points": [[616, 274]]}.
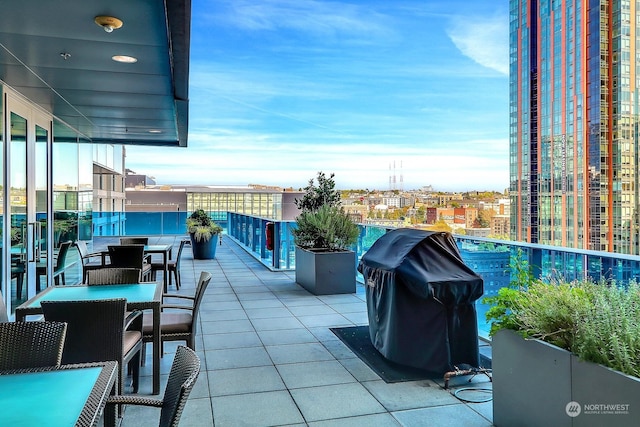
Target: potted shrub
{"points": [[565, 353], [323, 235], [203, 233]]}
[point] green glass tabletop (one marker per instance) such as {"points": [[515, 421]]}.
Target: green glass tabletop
{"points": [[138, 292], [54, 398]]}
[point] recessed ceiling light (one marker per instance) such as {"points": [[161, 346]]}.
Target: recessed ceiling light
{"points": [[125, 59], [155, 131]]}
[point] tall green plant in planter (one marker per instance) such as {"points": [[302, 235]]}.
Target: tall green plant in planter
{"points": [[203, 233], [323, 235], [566, 347]]}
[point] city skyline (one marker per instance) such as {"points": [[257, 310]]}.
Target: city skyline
{"points": [[280, 90]]}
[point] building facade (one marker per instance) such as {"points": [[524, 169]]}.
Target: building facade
{"points": [[573, 123]]}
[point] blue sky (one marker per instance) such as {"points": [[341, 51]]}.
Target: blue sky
{"points": [[282, 89]]}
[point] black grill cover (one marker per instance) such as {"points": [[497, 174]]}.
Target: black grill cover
{"points": [[420, 300]]}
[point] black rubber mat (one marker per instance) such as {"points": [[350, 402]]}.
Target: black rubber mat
{"points": [[357, 339]]}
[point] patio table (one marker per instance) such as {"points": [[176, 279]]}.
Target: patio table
{"points": [[139, 296], [56, 396]]}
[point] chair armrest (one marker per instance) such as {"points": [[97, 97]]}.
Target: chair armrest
{"points": [[133, 321], [178, 296], [181, 307], [134, 400]]}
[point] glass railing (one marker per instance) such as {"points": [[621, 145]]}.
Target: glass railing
{"points": [[487, 257]]}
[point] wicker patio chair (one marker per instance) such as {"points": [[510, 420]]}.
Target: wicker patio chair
{"points": [[26, 345], [180, 324], [58, 269], [134, 240], [97, 331], [85, 258], [130, 256], [172, 265], [182, 377], [113, 276]]}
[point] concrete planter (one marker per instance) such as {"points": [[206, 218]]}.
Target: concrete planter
{"points": [[323, 273], [539, 384], [204, 249]]}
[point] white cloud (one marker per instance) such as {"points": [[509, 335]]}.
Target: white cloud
{"points": [[484, 39]]}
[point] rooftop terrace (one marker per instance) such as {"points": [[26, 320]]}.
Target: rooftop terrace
{"points": [[269, 358]]}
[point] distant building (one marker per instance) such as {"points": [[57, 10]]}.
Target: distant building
{"points": [[478, 232], [500, 225], [265, 202], [133, 179]]}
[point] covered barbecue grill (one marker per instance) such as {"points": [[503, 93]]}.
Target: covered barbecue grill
{"points": [[420, 300]]}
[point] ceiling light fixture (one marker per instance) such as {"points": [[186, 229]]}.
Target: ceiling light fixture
{"points": [[124, 58], [155, 131], [108, 23]]}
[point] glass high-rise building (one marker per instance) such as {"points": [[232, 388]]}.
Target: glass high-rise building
{"points": [[573, 123]]}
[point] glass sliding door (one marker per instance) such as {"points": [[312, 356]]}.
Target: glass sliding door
{"points": [[26, 200]]}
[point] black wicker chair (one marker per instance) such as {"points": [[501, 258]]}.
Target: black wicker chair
{"points": [[97, 332], [183, 376], [129, 256], [179, 324], [134, 240], [25, 345], [113, 276], [172, 265], [86, 259]]}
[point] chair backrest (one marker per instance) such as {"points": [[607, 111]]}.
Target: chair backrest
{"points": [[62, 255], [179, 254], [113, 276], [184, 373], [95, 328], [134, 240], [83, 250], [203, 282], [26, 345], [131, 256]]}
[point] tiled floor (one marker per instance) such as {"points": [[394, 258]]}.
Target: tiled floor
{"points": [[269, 359]]}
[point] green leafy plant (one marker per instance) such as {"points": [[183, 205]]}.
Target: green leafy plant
{"points": [[322, 194], [328, 228], [322, 225], [200, 224], [501, 314], [598, 322]]}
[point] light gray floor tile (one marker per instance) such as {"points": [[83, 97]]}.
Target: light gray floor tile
{"points": [[441, 416], [409, 395], [296, 353], [237, 358], [359, 369], [335, 401], [338, 349], [360, 318], [275, 408], [267, 313], [244, 380], [276, 323], [326, 320], [261, 303], [286, 336], [353, 307], [213, 316], [309, 310], [376, 420], [312, 374], [232, 340], [227, 326]]}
